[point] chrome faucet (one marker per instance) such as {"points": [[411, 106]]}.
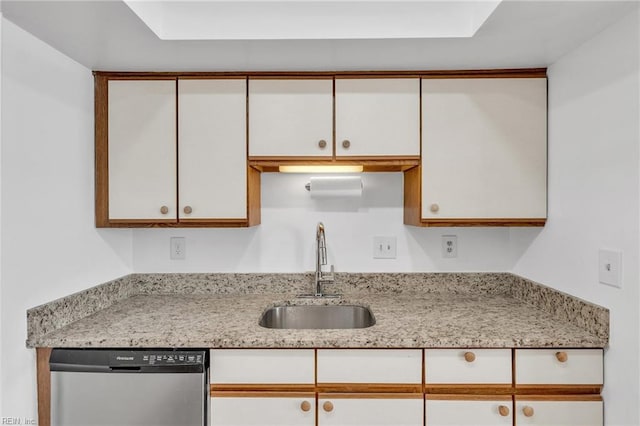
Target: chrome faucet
{"points": [[321, 277]]}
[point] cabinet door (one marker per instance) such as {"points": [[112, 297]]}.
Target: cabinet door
{"points": [[378, 117], [142, 149], [451, 412], [263, 411], [484, 148], [291, 118], [212, 144], [559, 413], [369, 410], [467, 366]]}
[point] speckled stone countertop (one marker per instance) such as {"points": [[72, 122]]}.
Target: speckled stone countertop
{"points": [[411, 311]]}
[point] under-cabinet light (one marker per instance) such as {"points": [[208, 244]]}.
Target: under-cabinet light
{"points": [[321, 169]]}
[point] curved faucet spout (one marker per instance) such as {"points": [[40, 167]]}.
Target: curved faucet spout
{"points": [[321, 259]]}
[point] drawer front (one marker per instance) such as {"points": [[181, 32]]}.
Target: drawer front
{"points": [[260, 411], [565, 413], [258, 366], [559, 366], [469, 366], [370, 366], [469, 413], [381, 411]]}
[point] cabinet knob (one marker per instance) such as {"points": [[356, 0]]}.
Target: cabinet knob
{"points": [[469, 356], [527, 411], [187, 209], [322, 144], [503, 410], [346, 144], [164, 209], [562, 356], [305, 406], [327, 406], [434, 208]]}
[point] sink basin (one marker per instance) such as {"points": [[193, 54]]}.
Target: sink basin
{"points": [[317, 317]]}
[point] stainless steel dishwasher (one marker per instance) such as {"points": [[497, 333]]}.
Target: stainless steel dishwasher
{"points": [[93, 387]]}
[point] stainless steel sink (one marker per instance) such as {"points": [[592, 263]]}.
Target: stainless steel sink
{"points": [[317, 317]]}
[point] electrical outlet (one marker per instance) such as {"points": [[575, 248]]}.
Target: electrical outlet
{"points": [[178, 248], [610, 267], [449, 246], [384, 247]]}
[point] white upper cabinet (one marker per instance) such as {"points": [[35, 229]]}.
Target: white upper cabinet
{"points": [[212, 143], [142, 150], [484, 148], [378, 117], [290, 118]]}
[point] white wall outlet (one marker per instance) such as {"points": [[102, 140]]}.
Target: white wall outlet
{"points": [[178, 247], [384, 247], [449, 246], [610, 267]]}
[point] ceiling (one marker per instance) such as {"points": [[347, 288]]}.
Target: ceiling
{"points": [[108, 35]]}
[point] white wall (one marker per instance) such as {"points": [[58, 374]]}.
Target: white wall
{"points": [[285, 241], [50, 247], [594, 154]]}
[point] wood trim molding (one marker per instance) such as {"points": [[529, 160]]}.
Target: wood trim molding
{"points": [[568, 398], [469, 389], [482, 73], [249, 394], [482, 222], [259, 387], [376, 395], [557, 389], [101, 147], [413, 196], [43, 376], [370, 387]]}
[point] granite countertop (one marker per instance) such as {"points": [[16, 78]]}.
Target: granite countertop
{"points": [[411, 311]]}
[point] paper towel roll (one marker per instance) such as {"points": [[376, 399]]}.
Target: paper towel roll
{"points": [[335, 186]]}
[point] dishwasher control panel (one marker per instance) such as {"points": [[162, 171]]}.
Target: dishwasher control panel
{"points": [[156, 358]]}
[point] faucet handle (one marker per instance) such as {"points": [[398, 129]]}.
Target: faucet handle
{"points": [[330, 275]]}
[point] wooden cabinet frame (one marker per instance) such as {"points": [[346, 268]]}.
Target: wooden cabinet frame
{"points": [[410, 165]]}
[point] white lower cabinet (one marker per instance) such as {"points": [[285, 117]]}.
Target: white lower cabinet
{"points": [[570, 411], [369, 410], [263, 410], [467, 412]]}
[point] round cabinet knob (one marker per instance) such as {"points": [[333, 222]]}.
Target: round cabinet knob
{"points": [[562, 356], [187, 209], [434, 208], [527, 411], [322, 144], [305, 406], [327, 406], [164, 209], [346, 144], [503, 410], [469, 356]]}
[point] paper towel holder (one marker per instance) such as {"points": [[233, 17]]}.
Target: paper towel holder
{"points": [[336, 179]]}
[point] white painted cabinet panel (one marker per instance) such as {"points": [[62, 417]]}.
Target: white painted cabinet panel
{"points": [[378, 117], [212, 146], [484, 148], [370, 366], [559, 413], [262, 366], [543, 366], [290, 117], [262, 411], [142, 149], [362, 411], [468, 413], [449, 366]]}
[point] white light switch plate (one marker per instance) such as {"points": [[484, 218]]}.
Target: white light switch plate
{"points": [[178, 248], [384, 247], [610, 267]]}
